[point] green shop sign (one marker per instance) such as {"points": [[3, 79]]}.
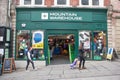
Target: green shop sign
{"points": [[61, 16]]}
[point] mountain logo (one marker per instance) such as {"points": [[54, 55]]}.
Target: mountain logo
{"points": [[44, 16]]}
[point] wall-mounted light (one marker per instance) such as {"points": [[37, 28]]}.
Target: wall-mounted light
{"points": [[23, 25]]}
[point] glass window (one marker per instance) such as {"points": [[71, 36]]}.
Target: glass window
{"points": [[85, 2], [23, 42], [61, 2], [38, 44], [85, 43], [99, 43], [95, 2], [38, 1], [27, 2]]}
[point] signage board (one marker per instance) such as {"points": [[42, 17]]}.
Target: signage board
{"points": [[61, 16], [8, 65], [110, 53]]}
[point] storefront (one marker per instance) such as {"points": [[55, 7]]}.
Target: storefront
{"points": [[61, 31]]}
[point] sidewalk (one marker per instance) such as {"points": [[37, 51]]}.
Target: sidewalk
{"points": [[96, 70]]}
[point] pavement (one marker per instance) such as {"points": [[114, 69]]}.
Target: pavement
{"points": [[96, 70]]}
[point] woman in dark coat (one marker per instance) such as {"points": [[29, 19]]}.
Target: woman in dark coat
{"points": [[81, 57]]}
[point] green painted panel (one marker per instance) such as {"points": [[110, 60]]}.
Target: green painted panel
{"points": [[92, 19], [99, 16], [23, 16], [60, 16], [61, 25]]}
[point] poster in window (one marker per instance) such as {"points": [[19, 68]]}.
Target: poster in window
{"points": [[84, 37], [37, 40]]}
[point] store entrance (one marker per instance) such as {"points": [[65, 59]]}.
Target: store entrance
{"points": [[60, 48]]}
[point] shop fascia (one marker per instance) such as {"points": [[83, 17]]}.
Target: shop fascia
{"points": [[64, 16]]}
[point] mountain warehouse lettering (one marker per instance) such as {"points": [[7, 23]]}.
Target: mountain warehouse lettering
{"points": [[64, 16]]}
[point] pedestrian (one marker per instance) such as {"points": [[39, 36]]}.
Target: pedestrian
{"points": [[81, 57], [29, 58]]}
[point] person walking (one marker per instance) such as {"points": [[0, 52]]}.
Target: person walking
{"points": [[29, 58], [81, 57]]}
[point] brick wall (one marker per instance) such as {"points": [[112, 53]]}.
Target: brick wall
{"points": [[106, 2]]}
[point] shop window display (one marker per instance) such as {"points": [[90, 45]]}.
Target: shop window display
{"points": [[85, 38], [99, 43], [23, 42], [38, 45]]}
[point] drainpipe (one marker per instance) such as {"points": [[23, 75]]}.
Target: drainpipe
{"points": [[8, 13]]}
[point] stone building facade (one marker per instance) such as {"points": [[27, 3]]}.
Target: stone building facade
{"points": [[113, 20], [4, 12], [50, 3], [114, 25]]}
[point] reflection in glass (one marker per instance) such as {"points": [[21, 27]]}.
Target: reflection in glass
{"points": [[23, 42], [99, 43], [27, 2], [85, 2], [61, 2], [95, 2], [38, 1], [38, 44], [85, 38]]}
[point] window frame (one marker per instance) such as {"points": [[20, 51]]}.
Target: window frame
{"points": [[59, 5], [18, 42], [101, 4], [32, 3]]}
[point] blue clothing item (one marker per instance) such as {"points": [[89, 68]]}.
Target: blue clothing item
{"points": [[25, 51]]}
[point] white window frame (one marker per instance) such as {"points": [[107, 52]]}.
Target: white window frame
{"points": [[32, 3], [66, 5], [101, 4]]}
